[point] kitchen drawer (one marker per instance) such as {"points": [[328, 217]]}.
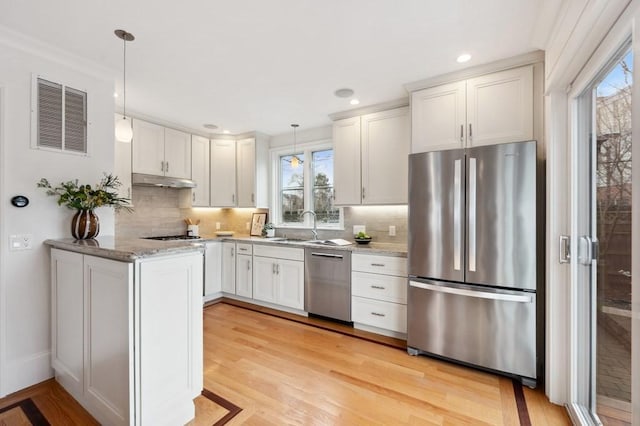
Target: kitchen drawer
{"points": [[386, 315], [379, 287], [388, 265], [244, 248], [279, 252]]}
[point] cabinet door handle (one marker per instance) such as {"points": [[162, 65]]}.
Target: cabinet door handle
{"points": [[232, 250], [470, 132], [167, 167], [248, 265], [193, 196], [461, 132], [233, 198], [253, 198], [378, 287], [378, 314], [363, 193], [273, 268], [162, 166], [378, 264], [278, 268]]}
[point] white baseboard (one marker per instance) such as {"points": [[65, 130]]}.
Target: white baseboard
{"points": [[28, 371]]}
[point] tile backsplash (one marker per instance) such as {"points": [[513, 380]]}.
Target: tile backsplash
{"points": [[157, 212]]}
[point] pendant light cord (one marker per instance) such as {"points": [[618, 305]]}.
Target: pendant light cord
{"points": [[124, 79]]}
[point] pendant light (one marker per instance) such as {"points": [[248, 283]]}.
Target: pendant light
{"points": [[295, 161], [124, 133]]}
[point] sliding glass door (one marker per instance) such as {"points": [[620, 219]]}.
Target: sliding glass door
{"points": [[601, 245]]}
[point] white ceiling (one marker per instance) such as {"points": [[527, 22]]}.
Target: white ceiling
{"points": [[264, 64]]}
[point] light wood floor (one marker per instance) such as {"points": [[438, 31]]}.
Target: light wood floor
{"points": [[282, 372]]}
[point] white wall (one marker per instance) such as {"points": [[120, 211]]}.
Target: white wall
{"points": [[24, 275], [302, 136]]}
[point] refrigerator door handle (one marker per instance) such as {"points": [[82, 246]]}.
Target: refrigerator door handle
{"points": [[472, 214], [472, 293], [457, 221]]}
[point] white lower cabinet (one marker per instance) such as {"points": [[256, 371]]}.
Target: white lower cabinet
{"points": [[244, 270], [229, 267], [104, 309], [379, 293], [212, 270], [278, 275]]}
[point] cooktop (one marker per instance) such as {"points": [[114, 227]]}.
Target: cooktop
{"points": [[173, 237]]}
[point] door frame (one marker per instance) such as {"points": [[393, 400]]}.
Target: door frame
{"points": [[626, 27]]}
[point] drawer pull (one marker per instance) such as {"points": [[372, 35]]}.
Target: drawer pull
{"points": [[377, 264], [377, 314], [242, 249], [378, 287]]}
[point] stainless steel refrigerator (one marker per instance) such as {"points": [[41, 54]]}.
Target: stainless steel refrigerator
{"points": [[472, 257]]}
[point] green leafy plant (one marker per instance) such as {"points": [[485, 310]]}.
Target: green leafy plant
{"points": [[87, 197]]}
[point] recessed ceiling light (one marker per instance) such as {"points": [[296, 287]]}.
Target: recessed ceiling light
{"points": [[226, 132], [354, 102], [343, 93], [210, 126], [463, 58]]}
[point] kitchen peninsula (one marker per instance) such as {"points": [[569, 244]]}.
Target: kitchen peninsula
{"points": [[127, 327]]}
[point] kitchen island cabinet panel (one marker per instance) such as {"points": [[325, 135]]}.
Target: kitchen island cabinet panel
{"points": [[67, 333], [107, 297], [127, 336]]}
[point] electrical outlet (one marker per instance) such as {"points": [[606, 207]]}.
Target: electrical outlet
{"points": [[248, 225], [359, 228], [217, 226], [392, 230], [21, 242]]}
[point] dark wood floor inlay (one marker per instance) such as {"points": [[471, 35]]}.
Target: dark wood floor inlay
{"points": [[233, 410], [521, 402], [30, 410]]}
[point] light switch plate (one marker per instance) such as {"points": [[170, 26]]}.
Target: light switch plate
{"points": [[392, 230], [20, 242], [217, 226], [359, 228]]}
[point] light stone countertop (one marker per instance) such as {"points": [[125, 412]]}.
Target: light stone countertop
{"points": [[126, 249], [387, 249]]}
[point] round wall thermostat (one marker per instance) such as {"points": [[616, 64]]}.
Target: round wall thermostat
{"points": [[20, 201]]}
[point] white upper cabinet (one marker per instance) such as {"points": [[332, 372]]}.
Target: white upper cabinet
{"points": [[240, 173], [246, 163], [200, 171], [370, 158], [438, 117], [500, 107], [346, 159], [385, 148], [223, 173], [161, 151], [177, 153], [493, 108], [148, 148]]}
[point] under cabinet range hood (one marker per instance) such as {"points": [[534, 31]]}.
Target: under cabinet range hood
{"points": [[140, 179]]}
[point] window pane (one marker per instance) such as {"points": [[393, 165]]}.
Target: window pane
{"points": [[323, 206], [613, 113], [291, 189]]}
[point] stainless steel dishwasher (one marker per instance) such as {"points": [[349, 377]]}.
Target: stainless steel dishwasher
{"points": [[327, 283]]}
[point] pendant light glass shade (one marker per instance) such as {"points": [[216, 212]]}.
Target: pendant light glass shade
{"points": [[124, 133]]}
